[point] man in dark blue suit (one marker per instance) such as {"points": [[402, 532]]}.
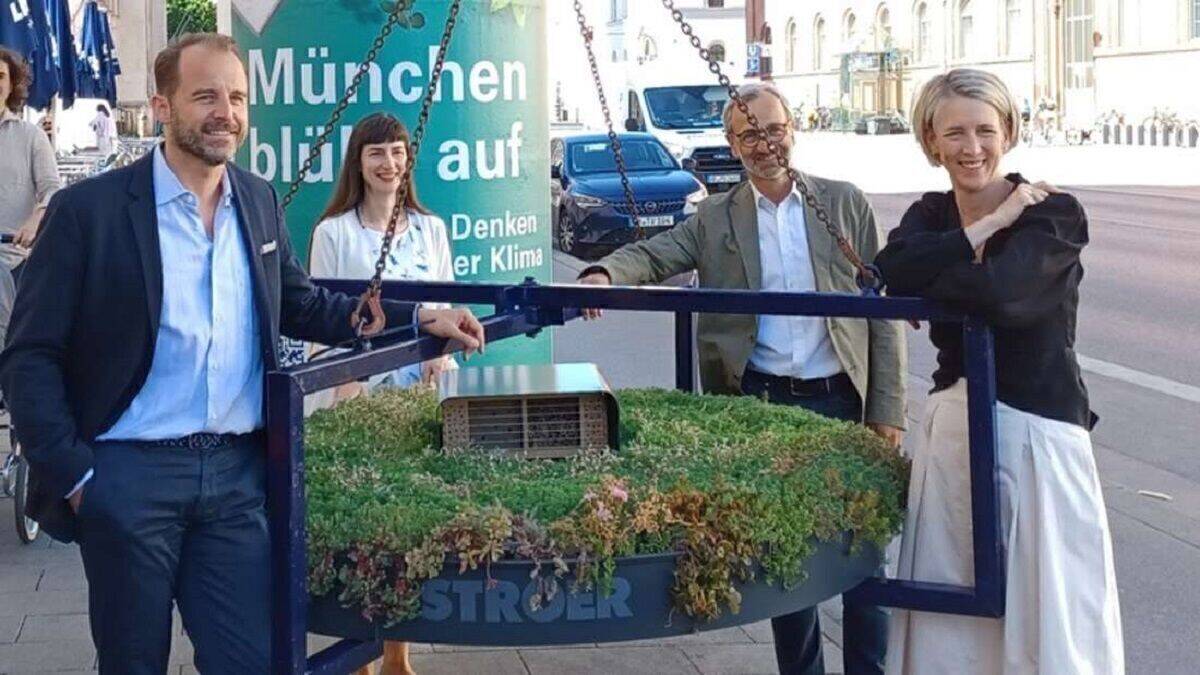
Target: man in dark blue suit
{"points": [[146, 317]]}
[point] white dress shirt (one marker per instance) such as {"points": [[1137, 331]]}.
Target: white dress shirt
{"points": [[790, 346]]}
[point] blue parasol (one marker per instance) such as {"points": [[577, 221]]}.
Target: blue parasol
{"points": [[25, 29], [63, 44], [112, 66], [92, 77]]}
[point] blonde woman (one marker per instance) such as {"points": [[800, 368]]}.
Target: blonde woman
{"points": [[346, 245], [998, 246]]}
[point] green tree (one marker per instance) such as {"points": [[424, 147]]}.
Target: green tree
{"points": [[191, 16]]}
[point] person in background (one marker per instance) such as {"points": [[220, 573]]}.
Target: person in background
{"points": [[47, 124], [28, 171], [347, 240], [346, 245], [762, 236], [1007, 250], [105, 129]]}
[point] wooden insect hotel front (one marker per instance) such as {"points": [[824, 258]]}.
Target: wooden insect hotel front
{"points": [[543, 411]]}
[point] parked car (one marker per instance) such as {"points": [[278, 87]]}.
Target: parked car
{"points": [[684, 112], [877, 125], [589, 210]]}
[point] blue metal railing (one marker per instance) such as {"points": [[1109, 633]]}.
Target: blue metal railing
{"points": [[525, 309]]}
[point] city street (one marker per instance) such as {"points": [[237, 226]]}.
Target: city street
{"points": [[504, 116]]}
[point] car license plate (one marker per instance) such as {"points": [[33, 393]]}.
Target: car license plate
{"points": [[725, 178], [656, 221]]}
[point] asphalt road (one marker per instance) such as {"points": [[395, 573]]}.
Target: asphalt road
{"points": [[1139, 325]]}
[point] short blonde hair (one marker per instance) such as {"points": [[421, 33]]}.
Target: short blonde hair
{"points": [[968, 83], [749, 92]]}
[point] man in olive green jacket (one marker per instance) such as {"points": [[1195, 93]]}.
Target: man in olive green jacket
{"points": [[721, 242], [763, 236]]}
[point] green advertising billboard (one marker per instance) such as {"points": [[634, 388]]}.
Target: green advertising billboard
{"points": [[484, 163]]}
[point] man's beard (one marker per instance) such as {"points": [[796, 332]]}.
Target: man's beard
{"points": [[766, 168], [191, 140]]}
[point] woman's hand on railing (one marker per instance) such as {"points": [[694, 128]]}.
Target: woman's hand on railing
{"points": [[594, 279], [432, 369], [454, 324]]}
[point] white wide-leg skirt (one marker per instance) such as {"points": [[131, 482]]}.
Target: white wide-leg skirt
{"points": [[1062, 615]]}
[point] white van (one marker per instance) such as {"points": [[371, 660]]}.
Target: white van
{"points": [[687, 119]]}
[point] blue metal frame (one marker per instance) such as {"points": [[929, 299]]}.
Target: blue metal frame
{"points": [[525, 309]]}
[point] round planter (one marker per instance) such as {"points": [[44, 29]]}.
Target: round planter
{"points": [[461, 608]]}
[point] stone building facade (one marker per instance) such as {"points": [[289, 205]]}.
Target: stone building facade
{"points": [[1089, 57]]}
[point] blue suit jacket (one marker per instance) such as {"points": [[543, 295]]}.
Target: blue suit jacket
{"points": [[86, 316]]}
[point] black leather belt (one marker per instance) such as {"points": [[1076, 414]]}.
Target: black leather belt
{"points": [[201, 441], [817, 386]]}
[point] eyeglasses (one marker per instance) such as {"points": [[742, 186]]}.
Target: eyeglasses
{"points": [[775, 132]]}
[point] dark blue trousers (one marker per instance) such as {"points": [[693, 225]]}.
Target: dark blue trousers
{"points": [[163, 525], [864, 627]]}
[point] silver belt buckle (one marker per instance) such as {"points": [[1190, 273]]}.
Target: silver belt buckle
{"points": [[792, 387]]}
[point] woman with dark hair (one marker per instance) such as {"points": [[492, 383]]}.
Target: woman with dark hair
{"points": [[346, 242], [26, 162]]}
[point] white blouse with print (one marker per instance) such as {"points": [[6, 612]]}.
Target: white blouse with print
{"points": [[343, 249]]}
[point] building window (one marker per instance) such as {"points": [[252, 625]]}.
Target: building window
{"points": [[620, 10], [714, 4], [849, 32], [792, 43], [819, 42], [921, 28], [1014, 35], [648, 48], [1077, 36], [883, 29], [716, 49], [966, 29], [1196, 18]]}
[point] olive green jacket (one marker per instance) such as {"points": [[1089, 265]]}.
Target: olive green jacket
{"points": [[720, 241]]}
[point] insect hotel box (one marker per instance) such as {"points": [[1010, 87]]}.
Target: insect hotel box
{"points": [[538, 411]]}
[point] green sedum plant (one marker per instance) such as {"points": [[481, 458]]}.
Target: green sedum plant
{"points": [[731, 484]]}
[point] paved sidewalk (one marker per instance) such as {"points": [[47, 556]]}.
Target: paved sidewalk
{"points": [[44, 629]]}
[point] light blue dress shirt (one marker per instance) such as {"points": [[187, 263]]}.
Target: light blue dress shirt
{"points": [[207, 370]]}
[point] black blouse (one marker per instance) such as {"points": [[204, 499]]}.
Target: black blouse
{"points": [[1027, 287]]}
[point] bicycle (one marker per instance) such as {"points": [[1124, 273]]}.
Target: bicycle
{"points": [[14, 482], [1043, 125], [14, 472], [1162, 118]]}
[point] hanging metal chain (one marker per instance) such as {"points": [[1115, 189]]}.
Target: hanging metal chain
{"points": [[868, 277], [405, 180], [389, 26], [397, 13], [587, 33], [399, 208]]}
